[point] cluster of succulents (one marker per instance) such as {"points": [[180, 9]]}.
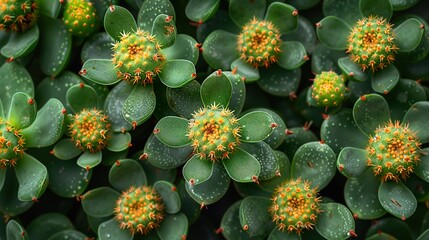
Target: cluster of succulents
{"points": [[214, 119]]}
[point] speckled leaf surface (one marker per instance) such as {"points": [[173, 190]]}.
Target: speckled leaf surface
{"points": [[185, 100], [304, 33], [100, 71], [245, 70], [111, 230], [345, 9], [152, 8], [282, 16], [22, 111], [216, 89], [292, 55], [241, 15], [352, 69], [241, 166], [351, 162], [115, 103], [417, 119], [21, 44], [370, 112], [139, 105], [333, 32], [119, 20], [189, 207], [200, 11], [278, 81], [220, 56], [253, 213], [325, 59], [196, 170], [165, 30], [47, 224], [278, 133], [89, 160], [14, 231], [98, 46], [282, 174], [168, 193], [32, 176], [266, 158], [397, 199], [409, 34], [81, 97], [384, 81], [256, 126], [381, 8], [126, 173], [296, 137], [176, 73], [238, 95], [165, 157], [119, 141], [100, 202], [335, 221], [185, 47], [173, 227]]}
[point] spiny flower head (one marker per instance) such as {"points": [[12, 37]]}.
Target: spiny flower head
{"points": [[11, 144], [393, 151], [371, 43], [80, 17], [90, 130], [295, 206], [139, 209], [138, 57], [17, 15], [259, 43], [214, 132], [328, 89]]}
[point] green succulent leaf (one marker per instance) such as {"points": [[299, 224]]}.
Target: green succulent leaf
{"points": [[238, 97], [100, 202], [100, 71], [278, 235], [283, 16], [241, 15], [98, 46], [50, 8], [242, 166], [189, 207], [81, 97], [245, 70], [296, 137], [66, 149], [150, 9], [315, 162], [352, 69], [266, 158], [422, 168], [230, 224], [125, 173], [9, 202], [197, 170], [169, 196], [397, 199], [394, 227], [139, 105], [384, 81], [304, 33], [254, 215], [370, 112], [381, 8], [278, 81], [351, 162], [21, 44], [408, 34], [211, 190], [185, 47], [335, 221], [117, 21], [185, 100], [381, 236], [282, 174], [111, 230], [114, 105], [216, 89], [292, 55], [361, 197], [68, 234], [162, 156], [22, 111], [54, 52], [201, 11], [325, 59], [165, 30], [89, 160], [256, 126], [32, 177], [47, 224], [173, 227], [333, 32], [176, 73], [348, 10], [14, 231], [417, 120], [118, 141], [220, 56], [423, 235], [420, 188], [172, 131]]}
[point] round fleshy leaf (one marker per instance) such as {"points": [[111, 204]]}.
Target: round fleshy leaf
{"points": [[163, 156], [100, 71], [125, 173], [220, 56], [238, 97], [254, 215], [173, 227], [305, 33], [197, 170], [361, 196], [335, 221], [176, 73], [47, 224], [153, 173], [326, 59], [185, 100], [230, 223], [189, 207], [256, 126], [165, 30], [98, 46], [149, 9], [81, 97], [348, 10], [241, 15], [66, 149], [49, 8], [32, 177], [283, 16], [22, 111], [213, 189], [381, 8], [292, 55], [111, 230], [340, 130], [245, 70], [278, 235], [114, 105], [200, 11], [9, 202], [351, 162], [384, 81], [352, 69], [139, 105], [100, 202], [282, 174], [296, 137], [89, 160], [216, 89], [118, 141], [394, 227], [185, 47], [266, 157], [422, 168], [14, 231], [408, 34], [70, 234], [370, 112], [397, 199], [278, 81], [21, 44], [417, 120], [172, 131], [54, 52], [242, 166], [402, 5], [119, 20], [169, 196], [333, 32], [277, 136], [315, 162]]}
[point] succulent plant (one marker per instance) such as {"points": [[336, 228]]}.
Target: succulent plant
{"points": [[80, 17], [328, 90]]}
